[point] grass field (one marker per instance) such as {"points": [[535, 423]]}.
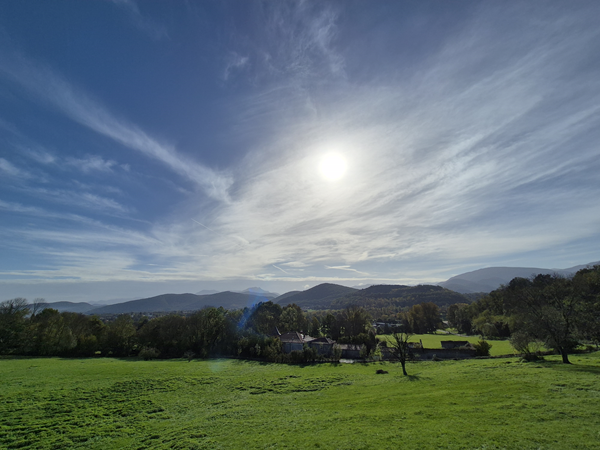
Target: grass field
{"points": [[434, 341], [127, 403]]}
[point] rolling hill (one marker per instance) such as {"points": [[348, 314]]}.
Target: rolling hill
{"points": [[393, 298], [317, 297], [182, 302], [333, 296]]}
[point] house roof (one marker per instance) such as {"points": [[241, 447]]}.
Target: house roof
{"points": [[322, 340], [295, 337], [291, 336]]}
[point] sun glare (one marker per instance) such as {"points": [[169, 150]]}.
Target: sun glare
{"points": [[332, 167]]}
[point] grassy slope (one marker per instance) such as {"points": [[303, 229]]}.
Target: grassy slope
{"points": [[477, 404]]}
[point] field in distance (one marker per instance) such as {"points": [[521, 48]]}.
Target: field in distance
{"points": [[132, 404], [499, 347]]}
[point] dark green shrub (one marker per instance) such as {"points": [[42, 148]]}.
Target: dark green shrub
{"points": [[483, 348], [148, 353]]}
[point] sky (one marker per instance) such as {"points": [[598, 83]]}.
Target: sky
{"points": [[151, 147]]}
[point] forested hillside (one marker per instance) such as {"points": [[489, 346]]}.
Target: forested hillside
{"points": [[381, 301], [182, 302], [318, 297]]}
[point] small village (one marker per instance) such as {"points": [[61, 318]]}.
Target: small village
{"points": [[294, 341]]}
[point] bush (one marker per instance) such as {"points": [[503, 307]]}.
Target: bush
{"points": [[148, 353], [273, 351], [525, 344], [483, 348], [337, 353]]}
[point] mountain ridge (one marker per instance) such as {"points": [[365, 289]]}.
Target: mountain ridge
{"points": [[315, 296], [490, 278], [181, 302], [325, 295]]}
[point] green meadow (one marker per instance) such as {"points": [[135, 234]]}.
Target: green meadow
{"points": [[499, 347], [53, 403]]}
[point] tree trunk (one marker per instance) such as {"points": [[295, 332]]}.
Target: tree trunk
{"points": [[565, 356], [404, 368]]}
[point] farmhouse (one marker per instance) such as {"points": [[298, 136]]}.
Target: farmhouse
{"points": [[293, 341], [323, 345]]}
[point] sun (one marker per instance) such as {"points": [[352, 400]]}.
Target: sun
{"points": [[332, 166]]}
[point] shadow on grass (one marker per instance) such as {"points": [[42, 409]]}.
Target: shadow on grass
{"points": [[576, 364], [413, 377], [573, 367]]}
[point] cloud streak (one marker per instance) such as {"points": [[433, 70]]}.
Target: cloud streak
{"points": [[11, 170], [142, 22], [80, 107]]}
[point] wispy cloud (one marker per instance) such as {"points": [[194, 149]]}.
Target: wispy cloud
{"points": [[234, 62], [11, 170], [39, 155], [295, 264], [347, 268], [294, 41], [87, 164], [79, 106], [89, 201], [141, 21], [279, 268], [92, 163]]}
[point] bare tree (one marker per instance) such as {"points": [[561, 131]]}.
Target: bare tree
{"points": [[39, 304], [400, 346]]}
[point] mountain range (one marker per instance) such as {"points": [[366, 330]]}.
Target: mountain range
{"points": [[326, 295]]}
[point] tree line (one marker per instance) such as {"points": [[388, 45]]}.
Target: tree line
{"points": [[36, 330], [552, 311], [557, 312]]}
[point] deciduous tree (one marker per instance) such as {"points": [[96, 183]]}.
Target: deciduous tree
{"points": [[547, 308], [13, 323], [400, 345]]}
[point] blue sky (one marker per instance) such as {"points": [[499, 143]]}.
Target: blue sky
{"points": [[152, 147]]}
